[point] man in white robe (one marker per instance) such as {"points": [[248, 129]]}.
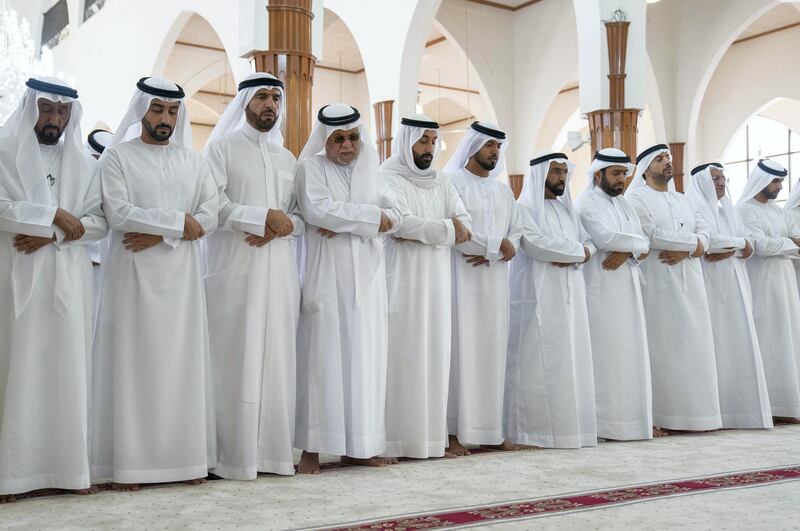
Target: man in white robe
{"points": [[617, 324], [743, 396], [342, 338], [152, 402], [252, 284], [792, 206], [480, 290], [682, 362], [418, 274], [776, 305], [96, 143], [549, 399], [49, 213]]}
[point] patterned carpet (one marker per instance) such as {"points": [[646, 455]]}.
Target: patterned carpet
{"points": [[726, 479], [524, 510]]}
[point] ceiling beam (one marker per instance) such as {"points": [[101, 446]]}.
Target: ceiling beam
{"points": [[200, 46], [504, 7], [201, 124], [447, 87], [568, 89], [214, 93], [342, 70], [454, 122], [765, 33], [437, 40]]}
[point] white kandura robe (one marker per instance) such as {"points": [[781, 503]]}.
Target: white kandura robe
{"points": [[682, 362], [795, 213], [616, 318], [549, 398], [253, 296], [153, 404], [481, 311], [776, 305], [743, 395], [44, 349], [342, 342], [418, 275]]}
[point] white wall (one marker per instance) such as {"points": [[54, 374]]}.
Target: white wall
{"points": [[332, 87], [750, 76]]}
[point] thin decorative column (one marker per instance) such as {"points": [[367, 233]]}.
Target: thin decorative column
{"points": [[617, 126], [676, 149], [383, 128], [289, 59]]}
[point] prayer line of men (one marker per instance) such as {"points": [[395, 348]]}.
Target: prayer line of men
{"points": [[435, 310]]}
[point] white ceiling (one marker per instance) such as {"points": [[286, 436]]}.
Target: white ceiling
{"points": [[778, 17]]}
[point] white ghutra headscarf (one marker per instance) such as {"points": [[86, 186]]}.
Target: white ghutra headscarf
{"points": [[643, 162], [234, 116], [147, 90], [402, 160], [764, 173], [474, 139]]}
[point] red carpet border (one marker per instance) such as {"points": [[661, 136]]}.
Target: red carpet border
{"points": [[560, 504]]}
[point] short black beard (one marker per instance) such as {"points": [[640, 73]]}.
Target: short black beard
{"points": [[556, 191], [423, 162], [606, 186], [44, 137], [159, 137], [659, 177], [485, 164], [770, 195], [262, 124]]}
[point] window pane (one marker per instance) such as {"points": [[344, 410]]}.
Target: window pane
{"points": [[767, 138], [55, 23], [737, 148]]}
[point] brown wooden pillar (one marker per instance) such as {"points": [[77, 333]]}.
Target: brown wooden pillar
{"points": [[515, 182], [289, 59], [676, 148], [615, 127], [383, 128]]}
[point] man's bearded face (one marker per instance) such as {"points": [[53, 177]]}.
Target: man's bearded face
{"points": [[53, 118], [774, 188], [160, 119], [612, 180], [556, 181], [342, 146], [423, 149], [262, 111], [660, 168], [488, 155]]}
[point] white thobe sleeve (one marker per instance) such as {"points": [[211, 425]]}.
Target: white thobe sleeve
{"points": [[233, 216], [206, 212], [24, 217], [609, 239], [482, 244], [515, 226], [93, 220], [663, 239], [540, 247], [764, 245], [123, 216], [319, 209], [437, 232], [388, 202]]}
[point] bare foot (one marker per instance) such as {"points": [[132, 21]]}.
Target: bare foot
{"points": [[125, 487], [785, 420], [309, 463], [661, 432], [388, 461], [198, 481], [7, 498], [456, 448], [94, 489], [504, 446], [372, 461]]}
